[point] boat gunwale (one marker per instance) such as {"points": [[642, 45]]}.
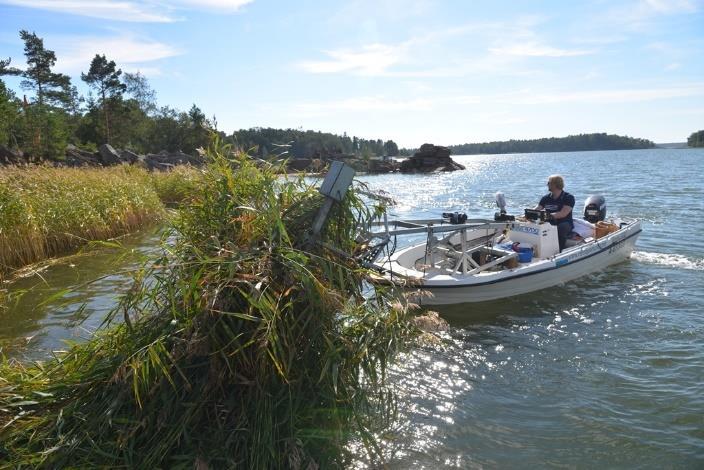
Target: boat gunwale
{"points": [[553, 261]]}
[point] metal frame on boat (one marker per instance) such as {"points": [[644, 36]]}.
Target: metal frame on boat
{"points": [[470, 260], [467, 262]]}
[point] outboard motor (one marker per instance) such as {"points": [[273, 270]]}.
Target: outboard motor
{"points": [[501, 216], [501, 202], [456, 218], [595, 208]]}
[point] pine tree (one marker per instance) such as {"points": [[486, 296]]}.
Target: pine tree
{"points": [[103, 77], [50, 88], [45, 131], [138, 87], [5, 68], [9, 115]]}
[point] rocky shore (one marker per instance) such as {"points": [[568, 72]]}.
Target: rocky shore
{"points": [[429, 158], [105, 156]]}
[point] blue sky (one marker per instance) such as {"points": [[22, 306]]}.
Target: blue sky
{"points": [[414, 71]]}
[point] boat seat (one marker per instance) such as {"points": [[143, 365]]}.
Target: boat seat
{"points": [[573, 239]]}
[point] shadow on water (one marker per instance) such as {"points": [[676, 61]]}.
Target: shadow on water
{"points": [[68, 298]]}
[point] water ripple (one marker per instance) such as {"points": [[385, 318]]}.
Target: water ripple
{"points": [[669, 259]]}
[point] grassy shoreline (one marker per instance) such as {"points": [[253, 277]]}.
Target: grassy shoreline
{"points": [[45, 211]]}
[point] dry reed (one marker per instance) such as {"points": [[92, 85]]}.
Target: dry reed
{"points": [[47, 211]]}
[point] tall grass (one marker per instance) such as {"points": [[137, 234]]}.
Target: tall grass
{"points": [[176, 185], [46, 211], [246, 346]]}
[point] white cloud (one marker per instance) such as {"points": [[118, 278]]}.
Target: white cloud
{"points": [[356, 12], [373, 59], [147, 11], [474, 48], [129, 53], [360, 104], [641, 14], [219, 5], [498, 118], [467, 99], [417, 57], [105, 9], [533, 49], [604, 96], [667, 6]]}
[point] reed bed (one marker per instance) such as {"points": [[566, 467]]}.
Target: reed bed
{"points": [[245, 346], [178, 184], [47, 211]]}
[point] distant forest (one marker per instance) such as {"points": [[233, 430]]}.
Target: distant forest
{"points": [[572, 143], [121, 110], [696, 139], [263, 142]]}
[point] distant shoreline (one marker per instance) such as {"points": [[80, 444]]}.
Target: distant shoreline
{"points": [[658, 147], [570, 143]]}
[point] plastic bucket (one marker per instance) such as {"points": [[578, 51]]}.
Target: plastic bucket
{"points": [[525, 255]]}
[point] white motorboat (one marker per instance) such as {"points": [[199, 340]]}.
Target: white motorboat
{"points": [[477, 260]]}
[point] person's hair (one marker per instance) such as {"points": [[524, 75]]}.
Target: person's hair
{"points": [[557, 180]]}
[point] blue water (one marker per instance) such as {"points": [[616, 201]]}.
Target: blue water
{"points": [[603, 372]]}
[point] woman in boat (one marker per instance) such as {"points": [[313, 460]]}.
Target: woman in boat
{"points": [[558, 203]]}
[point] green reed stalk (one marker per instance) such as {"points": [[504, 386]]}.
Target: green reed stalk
{"points": [[176, 185], [243, 347]]}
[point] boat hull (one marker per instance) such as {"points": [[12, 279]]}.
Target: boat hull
{"points": [[566, 266]]}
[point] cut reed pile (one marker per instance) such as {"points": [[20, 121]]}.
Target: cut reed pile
{"points": [[243, 347], [46, 211]]}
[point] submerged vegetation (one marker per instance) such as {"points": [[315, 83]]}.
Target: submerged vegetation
{"points": [[247, 345]]}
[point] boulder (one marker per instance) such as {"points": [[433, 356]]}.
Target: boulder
{"points": [[129, 157], [164, 160], [79, 157], [430, 158], [299, 164], [382, 166], [108, 155], [10, 157]]}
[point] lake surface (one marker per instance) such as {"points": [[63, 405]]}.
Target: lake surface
{"points": [[606, 371]]}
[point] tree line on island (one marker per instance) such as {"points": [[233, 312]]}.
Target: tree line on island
{"points": [[696, 139], [572, 143], [121, 109]]}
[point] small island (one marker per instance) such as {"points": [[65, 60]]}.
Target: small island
{"points": [[696, 139], [571, 143]]}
